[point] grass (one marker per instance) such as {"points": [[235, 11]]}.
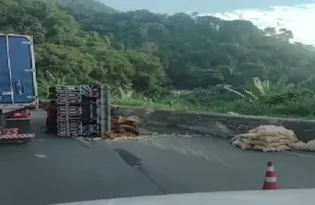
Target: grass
{"points": [[202, 102], [163, 104], [207, 100], [292, 109]]}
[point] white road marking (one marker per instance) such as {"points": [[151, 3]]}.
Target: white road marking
{"points": [[213, 156], [81, 140], [184, 152], [159, 145], [207, 159], [195, 152], [40, 155], [188, 151]]}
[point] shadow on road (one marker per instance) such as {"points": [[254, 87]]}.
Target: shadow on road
{"points": [[131, 159], [164, 184]]}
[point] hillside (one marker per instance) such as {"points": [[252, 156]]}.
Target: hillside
{"points": [[80, 41]]}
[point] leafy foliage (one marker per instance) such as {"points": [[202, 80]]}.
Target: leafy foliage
{"points": [[145, 54]]}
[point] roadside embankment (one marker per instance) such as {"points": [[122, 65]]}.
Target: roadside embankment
{"points": [[213, 124]]}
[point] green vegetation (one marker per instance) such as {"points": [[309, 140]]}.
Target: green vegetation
{"points": [[228, 65]]}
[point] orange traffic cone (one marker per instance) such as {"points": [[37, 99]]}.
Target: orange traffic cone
{"points": [[270, 182]]}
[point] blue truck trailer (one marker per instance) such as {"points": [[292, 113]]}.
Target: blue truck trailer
{"points": [[18, 87]]}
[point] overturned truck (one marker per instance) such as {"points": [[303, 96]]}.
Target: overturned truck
{"points": [[82, 110]]}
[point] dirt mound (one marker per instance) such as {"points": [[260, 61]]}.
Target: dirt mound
{"points": [[124, 127]]}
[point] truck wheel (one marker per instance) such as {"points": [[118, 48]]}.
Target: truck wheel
{"points": [[2, 119]]}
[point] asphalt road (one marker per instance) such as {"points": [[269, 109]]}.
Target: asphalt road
{"points": [[53, 170]]}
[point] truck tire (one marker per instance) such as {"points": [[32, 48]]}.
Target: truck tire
{"points": [[2, 120]]}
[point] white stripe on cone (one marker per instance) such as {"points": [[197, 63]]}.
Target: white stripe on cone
{"points": [[270, 179]]}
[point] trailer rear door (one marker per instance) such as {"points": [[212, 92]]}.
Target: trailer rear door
{"points": [[17, 79]]}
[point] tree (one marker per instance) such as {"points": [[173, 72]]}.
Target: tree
{"points": [[142, 50]]}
